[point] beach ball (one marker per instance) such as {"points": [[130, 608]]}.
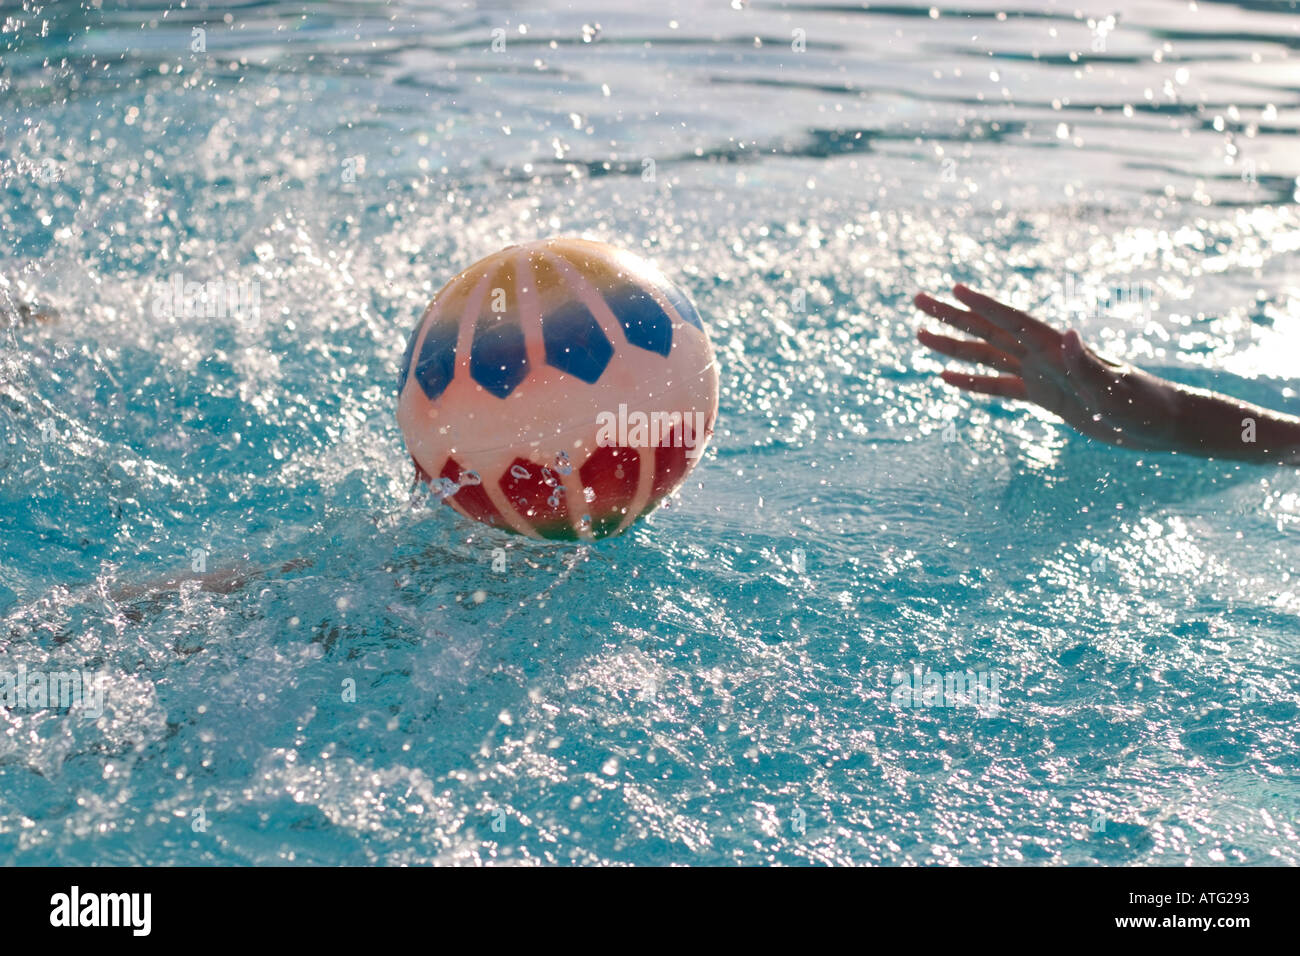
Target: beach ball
{"points": [[558, 389]]}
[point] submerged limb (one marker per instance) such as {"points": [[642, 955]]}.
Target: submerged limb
{"points": [[221, 581]]}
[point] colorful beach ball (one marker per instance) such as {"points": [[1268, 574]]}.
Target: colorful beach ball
{"points": [[559, 389]]}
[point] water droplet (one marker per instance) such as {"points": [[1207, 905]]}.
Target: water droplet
{"points": [[589, 495], [469, 479], [519, 471], [563, 465]]}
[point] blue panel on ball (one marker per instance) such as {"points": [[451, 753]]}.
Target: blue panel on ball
{"points": [[437, 363], [575, 342], [683, 305], [498, 360], [406, 358], [646, 325]]}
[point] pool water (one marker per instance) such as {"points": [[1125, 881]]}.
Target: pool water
{"points": [[359, 679]]}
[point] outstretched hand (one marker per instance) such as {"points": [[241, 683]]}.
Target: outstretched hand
{"points": [[1101, 398]]}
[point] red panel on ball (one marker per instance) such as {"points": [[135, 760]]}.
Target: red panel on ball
{"points": [[472, 499], [536, 491], [671, 465], [612, 473]]}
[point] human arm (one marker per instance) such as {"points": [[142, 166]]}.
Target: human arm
{"points": [[1107, 400]]}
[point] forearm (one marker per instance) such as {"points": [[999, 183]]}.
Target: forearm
{"points": [[1218, 426]]}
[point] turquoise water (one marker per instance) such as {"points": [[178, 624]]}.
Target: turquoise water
{"points": [[719, 685]]}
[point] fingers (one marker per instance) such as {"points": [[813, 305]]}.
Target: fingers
{"points": [[964, 350], [968, 322], [1003, 386], [1021, 325]]}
